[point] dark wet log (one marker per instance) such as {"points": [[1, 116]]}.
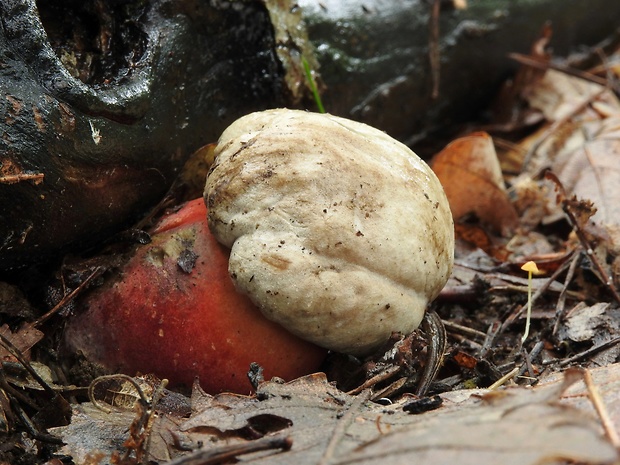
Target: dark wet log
{"points": [[374, 54], [101, 102]]}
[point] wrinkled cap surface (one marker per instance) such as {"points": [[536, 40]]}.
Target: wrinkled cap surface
{"points": [[337, 231]]}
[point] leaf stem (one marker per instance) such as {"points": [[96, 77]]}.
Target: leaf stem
{"points": [[313, 87]]}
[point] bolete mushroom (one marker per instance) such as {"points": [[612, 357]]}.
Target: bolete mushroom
{"points": [[338, 232], [172, 310]]}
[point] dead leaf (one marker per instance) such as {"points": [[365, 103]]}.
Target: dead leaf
{"points": [[195, 170], [593, 172], [517, 427], [582, 321], [607, 381], [511, 426], [23, 340], [558, 94], [532, 201], [14, 304], [581, 144], [95, 433], [598, 324], [470, 173]]}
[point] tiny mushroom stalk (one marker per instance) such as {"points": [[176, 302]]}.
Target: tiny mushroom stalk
{"points": [[338, 232], [531, 269]]}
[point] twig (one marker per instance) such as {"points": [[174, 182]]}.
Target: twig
{"points": [[561, 305], [543, 64], [492, 332], [150, 420], [464, 330], [341, 427], [31, 427], [582, 237], [590, 351], [386, 374], [459, 293], [473, 345], [433, 47], [528, 357], [66, 299], [507, 377], [599, 406], [389, 390], [16, 407], [15, 352], [227, 454], [37, 178]]}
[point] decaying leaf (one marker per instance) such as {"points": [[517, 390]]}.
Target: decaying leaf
{"points": [[592, 171], [511, 426], [558, 94], [519, 426], [582, 321], [23, 340], [469, 171], [13, 303], [580, 144], [598, 325], [94, 435]]}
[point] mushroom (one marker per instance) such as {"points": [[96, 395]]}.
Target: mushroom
{"points": [[172, 310], [338, 232]]}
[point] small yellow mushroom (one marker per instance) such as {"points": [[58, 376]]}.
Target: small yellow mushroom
{"points": [[531, 269]]}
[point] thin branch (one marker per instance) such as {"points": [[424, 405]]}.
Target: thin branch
{"points": [[589, 352], [36, 178], [342, 425], [433, 47], [544, 65], [599, 406], [67, 298], [561, 305], [227, 454], [606, 280]]}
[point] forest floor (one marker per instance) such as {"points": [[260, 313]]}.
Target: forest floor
{"points": [[539, 183]]}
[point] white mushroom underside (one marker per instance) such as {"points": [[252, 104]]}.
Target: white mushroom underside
{"points": [[338, 232]]}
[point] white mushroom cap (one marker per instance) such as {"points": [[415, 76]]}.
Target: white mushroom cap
{"points": [[337, 231]]}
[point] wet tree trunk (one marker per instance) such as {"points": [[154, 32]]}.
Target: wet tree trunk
{"points": [[375, 62], [102, 102]]}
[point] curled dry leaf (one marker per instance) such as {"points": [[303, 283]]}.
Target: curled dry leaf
{"points": [[470, 173], [95, 436]]}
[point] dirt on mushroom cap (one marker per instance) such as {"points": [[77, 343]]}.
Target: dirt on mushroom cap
{"points": [[338, 232]]}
